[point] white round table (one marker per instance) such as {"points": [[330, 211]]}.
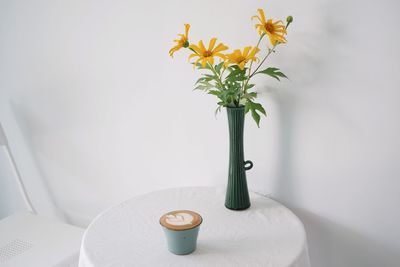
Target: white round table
{"points": [[129, 234]]}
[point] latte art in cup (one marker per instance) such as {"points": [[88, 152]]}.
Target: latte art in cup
{"points": [[180, 220]]}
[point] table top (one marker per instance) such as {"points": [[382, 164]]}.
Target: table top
{"points": [[129, 234]]}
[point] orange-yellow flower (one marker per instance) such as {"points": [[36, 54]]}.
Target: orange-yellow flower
{"points": [[276, 31], [207, 55], [241, 58], [182, 42]]}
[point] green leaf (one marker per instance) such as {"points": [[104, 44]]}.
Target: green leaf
{"points": [[256, 117], [255, 108], [214, 92], [200, 67], [248, 86], [253, 94], [218, 109], [247, 106], [204, 86], [209, 76], [237, 78], [236, 74], [259, 107], [273, 72], [218, 86], [249, 96], [202, 79], [235, 67], [206, 67], [200, 87], [218, 67]]}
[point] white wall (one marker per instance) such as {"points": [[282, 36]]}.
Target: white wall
{"points": [[109, 115]]}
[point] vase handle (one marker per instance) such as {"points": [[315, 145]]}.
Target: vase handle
{"points": [[249, 165]]}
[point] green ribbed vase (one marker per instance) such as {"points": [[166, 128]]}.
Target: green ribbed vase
{"points": [[237, 194]]}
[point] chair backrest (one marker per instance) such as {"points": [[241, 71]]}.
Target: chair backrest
{"points": [[22, 156], [3, 138]]}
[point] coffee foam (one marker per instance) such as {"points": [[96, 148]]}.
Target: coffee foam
{"points": [[180, 220]]}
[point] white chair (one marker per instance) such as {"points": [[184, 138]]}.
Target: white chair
{"points": [[29, 239]]}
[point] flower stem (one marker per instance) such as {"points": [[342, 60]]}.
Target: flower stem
{"points": [[258, 43], [251, 64], [269, 53], [216, 75]]}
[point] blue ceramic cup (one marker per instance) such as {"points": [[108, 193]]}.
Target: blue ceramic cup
{"points": [[181, 228]]}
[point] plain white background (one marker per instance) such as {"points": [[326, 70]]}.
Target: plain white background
{"points": [[106, 114]]}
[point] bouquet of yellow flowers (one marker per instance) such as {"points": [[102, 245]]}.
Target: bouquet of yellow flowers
{"points": [[229, 79]]}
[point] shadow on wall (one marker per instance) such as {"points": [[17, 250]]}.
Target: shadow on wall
{"points": [[334, 245], [316, 53], [330, 244]]}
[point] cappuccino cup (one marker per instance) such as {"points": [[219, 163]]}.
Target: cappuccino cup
{"points": [[181, 228]]}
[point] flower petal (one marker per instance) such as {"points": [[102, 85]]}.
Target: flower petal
{"points": [[210, 60], [195, 48], [262, 15], [246, 51], [220, 55], [187, 27], [211, 44], [220, 47], [278, 21], [193, 55], [204, 62], [173, 50], [255, 17], [201, 46], [254, 52]]}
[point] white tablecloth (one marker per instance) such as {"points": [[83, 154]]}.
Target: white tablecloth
{"points": [[129, 234]]}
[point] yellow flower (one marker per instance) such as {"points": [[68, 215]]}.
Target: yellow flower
{"points": [[207, 55], [239, 58], [276, 31], [182, 42]]}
